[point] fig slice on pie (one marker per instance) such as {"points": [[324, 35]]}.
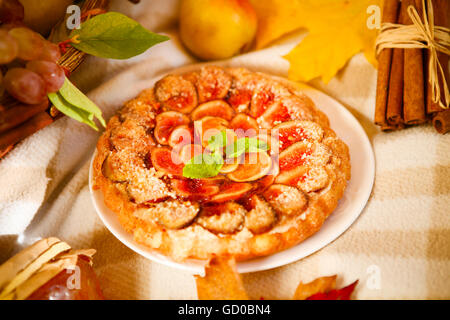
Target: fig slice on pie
{"points": [[286, 200], [244, 125], [208, 127], [254, 167], [195, 189], [181, 136], [216, 108], [223, 218], [166, 161], [232, 191], [261, 217], [291, 132], [166, 122], [176, 93]]}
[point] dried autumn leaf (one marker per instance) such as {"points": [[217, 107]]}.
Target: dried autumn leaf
{"points": [[221, 281], [340, 294], [337, 31], [317, 286], [275, 18]]}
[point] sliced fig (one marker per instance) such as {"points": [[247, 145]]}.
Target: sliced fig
{"points": [[112, 170], [226, 218], [166, 122], [195, 189], [244, 125], [176, 93], [239, 98], [230, 165], [166, 161], [232, 191], [213, 83], [286, 200], [291, 132], [146, 186], [254, 167], [180, 136], [315, 179], [216, 108], [265, 96], [130, 135], [275, 114], [261, 218], [187, 152], [208, 127], [175, 214], [303, 153]]}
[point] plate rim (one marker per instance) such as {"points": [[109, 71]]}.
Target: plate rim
{"points": [[269, 262]]}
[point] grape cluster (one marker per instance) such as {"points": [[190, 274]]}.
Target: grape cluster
{"points": [[28, 62]]}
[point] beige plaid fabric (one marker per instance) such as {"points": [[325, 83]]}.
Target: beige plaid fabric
{"points": [[398, 248]]}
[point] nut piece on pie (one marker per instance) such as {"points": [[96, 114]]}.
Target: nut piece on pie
{"points": [[270, 193]]}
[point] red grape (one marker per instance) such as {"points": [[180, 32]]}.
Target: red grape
{"points": [[31, 44], [25, 85], [51, 52], [8, 47], [11, 11], [52, 74]]}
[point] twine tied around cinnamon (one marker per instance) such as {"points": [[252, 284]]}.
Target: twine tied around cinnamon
{"points": [[422, 35]]}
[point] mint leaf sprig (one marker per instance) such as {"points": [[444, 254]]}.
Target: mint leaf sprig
{"points": [[73, 103], [208, 165]]}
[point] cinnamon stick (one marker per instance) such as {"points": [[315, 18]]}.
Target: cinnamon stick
{"points": [[390, 14], [394, 109], [442, 121], [29, 127], [441, 10], [413, 78], [395, 98], [18, 114]]}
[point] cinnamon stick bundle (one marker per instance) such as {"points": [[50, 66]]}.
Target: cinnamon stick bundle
{"points": [[441, 118], [390, 14]]}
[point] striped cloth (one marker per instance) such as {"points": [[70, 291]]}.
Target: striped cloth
{"points": [[398, 248]]}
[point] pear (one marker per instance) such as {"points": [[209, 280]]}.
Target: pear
{"points": [[217, 29]]}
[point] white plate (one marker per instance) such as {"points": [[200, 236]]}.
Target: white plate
{"points": [[350, 206]]}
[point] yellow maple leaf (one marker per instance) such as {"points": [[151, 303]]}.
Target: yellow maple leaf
{"points": [[338, 30]]}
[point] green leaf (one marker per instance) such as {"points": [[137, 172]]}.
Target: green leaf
{"points": [[244, 145], [77, 98], [72, 111], [203, 166], [73, 103], [218, 141], [114, 35]]}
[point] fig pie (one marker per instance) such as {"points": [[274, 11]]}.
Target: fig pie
{"points": [[221, 161]]}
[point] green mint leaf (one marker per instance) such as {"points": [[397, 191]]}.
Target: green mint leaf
{"points": [[244, 145], [203, 166], [72, 111], [115, 36], [73, 103], [218, 141]]}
